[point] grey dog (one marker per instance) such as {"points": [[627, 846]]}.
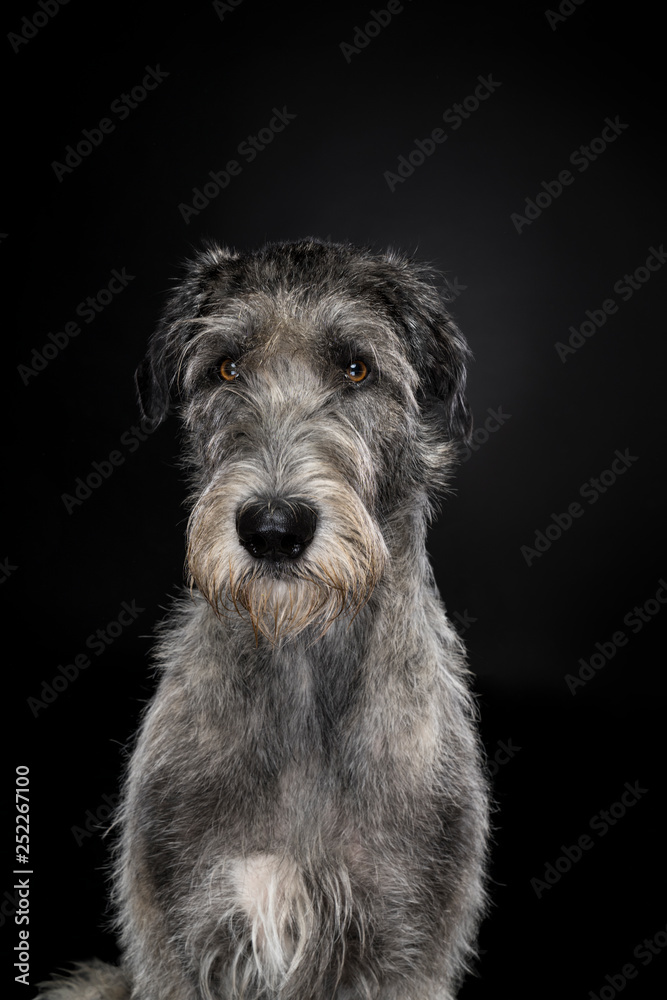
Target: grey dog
{"points": [[305, 815]]}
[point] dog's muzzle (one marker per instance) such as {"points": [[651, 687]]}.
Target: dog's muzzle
{"points": [[276, 529]]}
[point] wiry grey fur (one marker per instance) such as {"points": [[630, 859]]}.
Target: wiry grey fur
{"points": [[305, 816]]}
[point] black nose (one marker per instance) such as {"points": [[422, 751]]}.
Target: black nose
{"points": [[276, 529]]}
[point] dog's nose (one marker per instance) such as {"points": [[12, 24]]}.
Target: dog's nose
{"points": [[276, 529]]}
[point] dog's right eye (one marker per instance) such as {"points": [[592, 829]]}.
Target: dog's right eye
{"points": [[356, 371], [228, 370]]}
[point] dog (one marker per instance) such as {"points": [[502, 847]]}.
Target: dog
{"points": [[305, 815]]}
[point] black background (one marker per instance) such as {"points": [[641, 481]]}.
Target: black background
{"points": [[526, 626]]}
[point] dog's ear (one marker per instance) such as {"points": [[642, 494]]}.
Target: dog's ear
{"points": [[441, 354], [445, 389], [152, 384], [156, 378]]}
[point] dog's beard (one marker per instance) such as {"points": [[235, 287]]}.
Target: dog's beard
{"points": [[280, 603], [281, 607], [334, 577]]}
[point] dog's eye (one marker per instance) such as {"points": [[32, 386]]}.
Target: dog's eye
{"points": [[228, 370], [356, 371]]}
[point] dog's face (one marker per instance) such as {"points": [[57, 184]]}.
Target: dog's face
{"points": [[322, 392]]}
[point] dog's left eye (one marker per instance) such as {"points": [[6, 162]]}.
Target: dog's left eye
{"points": [[356, 371], [228, 370]]}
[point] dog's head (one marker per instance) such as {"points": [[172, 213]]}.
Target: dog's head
{"points": [[322, 389], [402, 289]]}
